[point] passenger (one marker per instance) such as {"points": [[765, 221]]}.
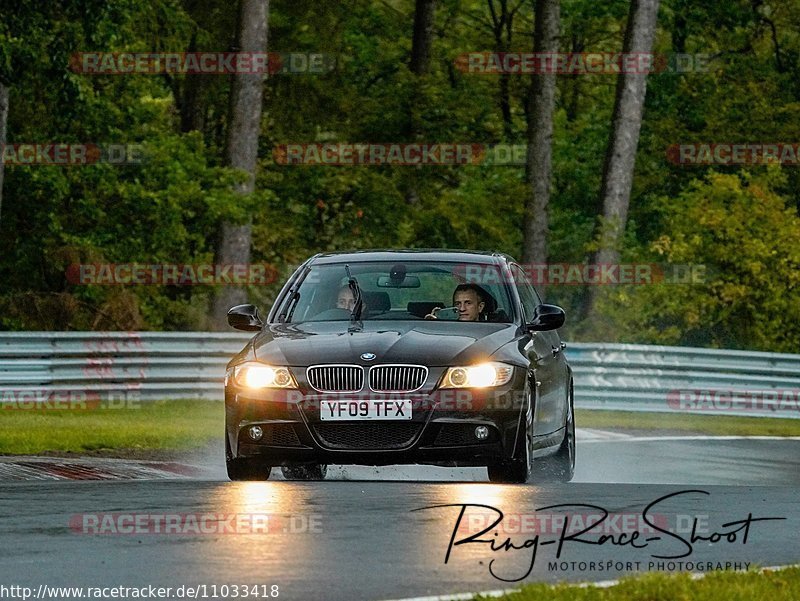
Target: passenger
{"points": [[346, 300]]}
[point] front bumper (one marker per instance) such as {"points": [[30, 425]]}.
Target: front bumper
{"points": [[441, 430]]}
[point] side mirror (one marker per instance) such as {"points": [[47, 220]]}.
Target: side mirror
{"points": [[245, 317], [547, 317]]}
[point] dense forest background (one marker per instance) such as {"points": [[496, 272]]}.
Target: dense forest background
{"points": [[740, 221]]}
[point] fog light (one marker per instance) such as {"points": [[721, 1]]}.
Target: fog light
{"points": [[256, 432], [481, 432]]}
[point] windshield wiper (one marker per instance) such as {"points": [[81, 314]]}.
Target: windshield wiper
{"points": [[293, 298], [355, 314]]}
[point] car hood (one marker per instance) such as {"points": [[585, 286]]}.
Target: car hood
{"points": [[428, 343]]}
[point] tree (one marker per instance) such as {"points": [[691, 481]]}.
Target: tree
{"points": [[740, 237], [538, 166], [421, 42], [241, 149], [3, 121], [615, 190], [502, 30], [422, 36]]}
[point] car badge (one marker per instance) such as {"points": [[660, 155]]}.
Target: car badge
{"points": [[368, 356]]}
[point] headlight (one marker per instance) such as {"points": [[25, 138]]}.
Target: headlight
{"points": [[260, 375], [482, 375]]}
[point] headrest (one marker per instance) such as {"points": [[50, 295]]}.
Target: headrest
{"points": [[377, 302]]}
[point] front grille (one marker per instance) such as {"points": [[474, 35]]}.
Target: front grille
{"points": [[397, 378], [281, 435], [367, 436], [336, 378], [457, 435]]}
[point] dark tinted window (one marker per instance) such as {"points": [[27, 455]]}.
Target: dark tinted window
{"points": [[530, 300], [392, 291]]}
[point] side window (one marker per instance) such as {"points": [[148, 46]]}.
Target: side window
{"points": [[526, 292]]}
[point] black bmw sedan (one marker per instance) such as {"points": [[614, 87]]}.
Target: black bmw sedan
{"points": [[382, 357]]}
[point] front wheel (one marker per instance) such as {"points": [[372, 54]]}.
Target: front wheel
{"points": [[508, 473], [305, 472], [516, 470], [560, 467], [244, 469]]}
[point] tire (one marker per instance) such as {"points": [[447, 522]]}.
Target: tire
{"points": [[514, 471], [305, 472], [242, 469], [560, 467]]}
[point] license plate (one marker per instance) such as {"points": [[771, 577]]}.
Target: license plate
{"points": [[363, 410]]}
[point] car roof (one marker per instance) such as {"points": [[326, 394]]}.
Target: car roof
{"points": [[420, 254]]}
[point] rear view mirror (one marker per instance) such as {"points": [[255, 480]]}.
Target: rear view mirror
{"points": [[245, 317], [409, 281]]}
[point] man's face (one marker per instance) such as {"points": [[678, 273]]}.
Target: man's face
{"points": [[346, 300], [469, 305]]}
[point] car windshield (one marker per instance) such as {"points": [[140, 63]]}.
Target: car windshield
{"points": [[391, 290]]}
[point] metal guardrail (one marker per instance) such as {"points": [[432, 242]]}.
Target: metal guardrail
{"points": [[41, 366], [632, 377], [115, 365]]}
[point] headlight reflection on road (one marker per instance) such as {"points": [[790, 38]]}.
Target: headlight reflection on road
{"points": [[258, 496], [481, 505], [273, 525], [496, 495]]}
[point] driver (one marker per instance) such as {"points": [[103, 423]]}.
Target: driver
{"points": [[468, 299]]}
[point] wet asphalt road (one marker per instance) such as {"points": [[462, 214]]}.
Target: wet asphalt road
{"points": [[358, 537]]}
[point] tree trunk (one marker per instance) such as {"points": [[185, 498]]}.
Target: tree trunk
{"points": [[241, 150], [505, 108], [680, 27], [192, 108], [502, 29], [422, 36], [538, 166], [421, 42], [3, 121], [615, 191]]}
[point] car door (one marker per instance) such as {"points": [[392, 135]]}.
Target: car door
{"points": [[548, 366]]}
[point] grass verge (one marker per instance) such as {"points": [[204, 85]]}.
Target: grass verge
{"points": [[718, 425], [781, 585], [191, 424], [160, 425]]}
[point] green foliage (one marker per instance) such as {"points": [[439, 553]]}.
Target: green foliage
{"points": [[741, 230], [780, 585], [741, 221]]}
